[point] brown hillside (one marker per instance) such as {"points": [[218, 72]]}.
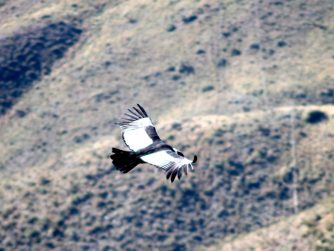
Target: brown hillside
{"points": [[246, 85]]}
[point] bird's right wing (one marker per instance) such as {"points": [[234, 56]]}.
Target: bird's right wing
{"points": [[171, 162], [138, 131]]}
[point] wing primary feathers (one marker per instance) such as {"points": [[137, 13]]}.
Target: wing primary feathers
{"points": [[174, 174], [142, 109], [168, 167], [131, 116], [185, 169], [133, 113], [169, 173], [139, 112], [126, 120], [179, 172], [125, 124]]}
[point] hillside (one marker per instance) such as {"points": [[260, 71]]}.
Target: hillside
{"points": [[231, 192], [246, 85], [309, 230]]}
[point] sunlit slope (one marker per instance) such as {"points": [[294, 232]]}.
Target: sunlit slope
{"points": [[244, 180], [247, 86], [309, 230], [178, 59]]}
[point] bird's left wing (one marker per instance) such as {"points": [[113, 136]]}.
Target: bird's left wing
{"points": [[171, 162], [138, 131]]}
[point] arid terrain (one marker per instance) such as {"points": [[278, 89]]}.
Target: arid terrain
{"points": [[246, 85]]}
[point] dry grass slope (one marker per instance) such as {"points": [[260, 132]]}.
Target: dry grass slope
{"points": [[309, 230], [245, 84], [241, 184]]}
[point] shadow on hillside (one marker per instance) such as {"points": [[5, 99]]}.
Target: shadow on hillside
{"points": [[26, 57]]}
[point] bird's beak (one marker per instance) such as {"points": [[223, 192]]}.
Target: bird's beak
{"points": [[195, 159]]}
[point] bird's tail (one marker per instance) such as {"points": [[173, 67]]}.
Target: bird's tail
{"points": [[124, 161]]}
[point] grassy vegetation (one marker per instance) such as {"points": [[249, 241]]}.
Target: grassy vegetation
{"points": [[244, 84], [309, 230]]}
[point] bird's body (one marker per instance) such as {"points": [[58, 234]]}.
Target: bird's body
{"points": [[145, 146]]}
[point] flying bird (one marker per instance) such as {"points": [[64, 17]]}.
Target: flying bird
{"points": [[140, 136]]}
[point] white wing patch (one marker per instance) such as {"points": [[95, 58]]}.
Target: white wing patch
{"points": [[135, 135], [168, 160], [163, 159], [137, 129]]}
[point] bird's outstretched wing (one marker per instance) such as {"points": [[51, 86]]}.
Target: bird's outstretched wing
{"points": [[171, 162], [138, 131]]}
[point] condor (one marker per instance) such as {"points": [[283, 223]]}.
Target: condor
{"points": [[145, 146]]}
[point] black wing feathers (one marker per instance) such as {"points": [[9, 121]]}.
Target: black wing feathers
{"points": [[152, 133], [172, 171], [186, 170], [173, 175], [179, 174], [139, 111], [169, 173], [133, 115], [143, 110]]}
